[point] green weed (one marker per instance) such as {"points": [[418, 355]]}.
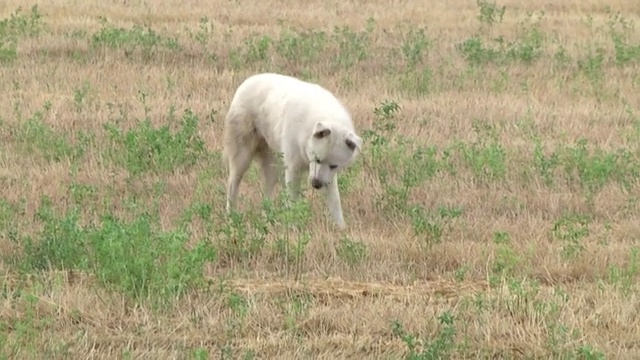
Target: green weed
{"points": [[255, 50], [624, 277], [18, 25], [292, 217], [203, 36], [490, 13], [506, 260], [25, 329], [625, 52], [485, 156], [571, 229], [592, 169], [592, 67], [414, 46], [353, 47], [133, 257], [352, 252], [243, 235], [302, 47], [139, 38], [526, 47], [441, 346], [425, 227], [545, 164], [80, 95], [295, 308], [148, 149], [413, 164], [35, 136]]}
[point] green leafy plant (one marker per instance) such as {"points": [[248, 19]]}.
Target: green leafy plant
{"points": [[148, 149]]}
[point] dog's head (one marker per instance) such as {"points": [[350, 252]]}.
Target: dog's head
{"points": [[330, 149]]}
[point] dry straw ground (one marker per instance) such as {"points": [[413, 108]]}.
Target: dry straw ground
{"points": [[493, 214]]}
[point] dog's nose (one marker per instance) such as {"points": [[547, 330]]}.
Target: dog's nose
{"points": [[317, 184]]}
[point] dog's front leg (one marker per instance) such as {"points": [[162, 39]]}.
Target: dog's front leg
{"points": [[292, 181], [333, 202]]}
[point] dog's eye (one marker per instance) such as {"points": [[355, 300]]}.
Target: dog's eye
{"points": [[318, 161], [333, 167]]}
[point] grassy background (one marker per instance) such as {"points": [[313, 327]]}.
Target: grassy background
{"points": [[493, 213]]}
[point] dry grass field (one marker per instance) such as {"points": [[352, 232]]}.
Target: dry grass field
{"points": [[494, 212]]}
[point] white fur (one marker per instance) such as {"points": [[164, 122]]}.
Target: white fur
{"points": [[273, 113]]}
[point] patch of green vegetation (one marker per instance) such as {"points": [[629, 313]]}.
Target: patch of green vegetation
{"points": [[351, 251], [526, 47], [35, 136], [134, 257], [620, 31], [18, 25], [441, 346], [145, 148], [138, 37]]}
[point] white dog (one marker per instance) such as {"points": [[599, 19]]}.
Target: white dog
{"points": [[273, 113]]}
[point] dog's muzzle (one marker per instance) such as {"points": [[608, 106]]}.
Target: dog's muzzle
{"points": [[317, 184]]}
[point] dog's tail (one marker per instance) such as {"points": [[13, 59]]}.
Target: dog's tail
{"points": [[238, 134]]}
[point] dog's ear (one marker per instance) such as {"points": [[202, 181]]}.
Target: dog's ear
{"points": [[321, 131], [353, 141]]}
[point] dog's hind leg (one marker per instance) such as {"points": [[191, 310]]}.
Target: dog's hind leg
{"points": [[240, 145], [238, 165]]}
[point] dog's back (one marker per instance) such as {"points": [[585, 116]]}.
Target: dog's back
{"points": [[271, 107]]}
